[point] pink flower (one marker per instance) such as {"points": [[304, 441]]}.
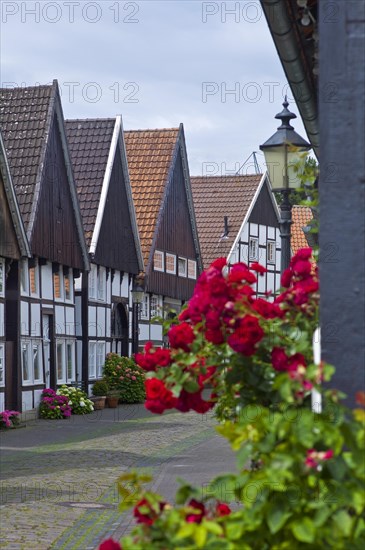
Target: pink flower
{"points": [[110, 544], [314, 458]]}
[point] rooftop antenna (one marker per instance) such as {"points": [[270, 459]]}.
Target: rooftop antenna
{"points": [[256, 164]]}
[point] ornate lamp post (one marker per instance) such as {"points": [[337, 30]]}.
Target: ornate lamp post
{"points": [[282, 151], [137, 297]]}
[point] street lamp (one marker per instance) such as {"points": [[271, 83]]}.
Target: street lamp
{"points": [[282, 151], [137, 297]]}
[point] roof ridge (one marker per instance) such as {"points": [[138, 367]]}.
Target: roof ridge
{"points": [[153, 130], [27, 87], [229, 176], [108, 119]]}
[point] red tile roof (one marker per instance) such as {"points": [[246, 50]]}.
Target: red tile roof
{"points": [[214, 198], [149, 155], [301, 216]]}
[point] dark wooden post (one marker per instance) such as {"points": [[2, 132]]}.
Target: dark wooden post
{"points": [[341, 186]]}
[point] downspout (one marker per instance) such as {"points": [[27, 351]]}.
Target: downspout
{"points": [[285, 40]]}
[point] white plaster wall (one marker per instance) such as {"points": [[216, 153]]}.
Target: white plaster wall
{"points": [[78, 283], [24, 318], [124, 286], [156, 332], [37, 397], [35, 315], [78, 328], [144, 333], [47, 281], [92, 321], [271, 282], [271, 233], [2, 320], [108, 323], [70, 321], [2, 402], [100, 321], [254, 230], [262, 234], [27, 400], [116, 283], [78, 359], [60, 320]]}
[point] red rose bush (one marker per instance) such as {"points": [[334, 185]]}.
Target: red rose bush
{"points": [[300, 474]]}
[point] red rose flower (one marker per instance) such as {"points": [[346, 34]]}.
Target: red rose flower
{"points": [[219, 263], [302, 267], [197, 516], [222, 509], [246, 335], [266, 309], [144, 513], [158, 397], [255, 266], [153, 357], [181, 336], [279, 359], [239, 273], [286, 277], [110, 544], [302, 254]]}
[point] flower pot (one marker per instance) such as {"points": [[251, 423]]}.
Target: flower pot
{"points": [[98, 402], [112, 401]]}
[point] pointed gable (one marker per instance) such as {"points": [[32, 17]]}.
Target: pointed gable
{"points": [[214, 198], [150, 159], [13, 241], [100, 167], [35, 142]]}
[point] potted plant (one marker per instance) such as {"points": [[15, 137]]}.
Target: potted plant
{"points": [[99, 390], [112, 398]]}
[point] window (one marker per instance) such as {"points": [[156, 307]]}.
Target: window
{"points": [[34, 280], [182, 267], [158, 263], [65, 358], [58, 284], [144, 308], [101, 284], [253, 249], [92, 359], [271, 249], [171, 264], [2, 277], [192, 269], [100, 358], [67, 283], [24, 277], [92, 281], [70, 359], [2, 365], [156, 306], [32, 369]]}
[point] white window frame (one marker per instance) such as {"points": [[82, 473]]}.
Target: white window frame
{"points": [[62, 379], [62, 290], [30, 344], [24, 278], [192, 267], [160, 254], [101, 284], [92, 360], [173, 258], [2, 365], [100, 358], [2, 278], [71, 344], [255, 256], [182, 272], [144, 308], [271, 247], [156, 306], [36, 279], [92, 282]]}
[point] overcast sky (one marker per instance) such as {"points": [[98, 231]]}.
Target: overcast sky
{"points": [[157, 63]]}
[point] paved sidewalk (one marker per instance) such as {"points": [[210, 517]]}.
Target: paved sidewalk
{"points": [[58, 478]]}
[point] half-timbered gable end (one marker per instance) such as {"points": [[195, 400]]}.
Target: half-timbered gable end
{"points": [[36, 146], [237, 218], [13, 246], [103, 300], [160, 181]]}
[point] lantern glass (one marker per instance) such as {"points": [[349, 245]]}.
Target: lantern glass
{"points": [[137, 295], [277, 158]]}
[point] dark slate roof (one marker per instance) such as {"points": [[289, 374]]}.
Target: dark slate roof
{"points": [[149, 154], [24, 122], [214, 198], [89, 143]]}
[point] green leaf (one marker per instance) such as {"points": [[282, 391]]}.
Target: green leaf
{"points": [[186, 530], [200, 536], [343, 522], [322, 514], [304, 529], [277, 514], [213, 527], [234, 530]]}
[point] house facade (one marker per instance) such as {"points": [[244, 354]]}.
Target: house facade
{"points": [[238, 218], [103, 296], [39, 164], [161, 188], [13, 247]]}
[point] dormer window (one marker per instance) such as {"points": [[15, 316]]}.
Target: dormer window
{"points": [[191, 269], [171, 264], [253, 249], [271, 248], [183, 267]]}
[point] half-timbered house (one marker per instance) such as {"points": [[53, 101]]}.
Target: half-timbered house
{"points": [[103, 297], [159, 175], [237, 218], [36, 146], [13, 247]]}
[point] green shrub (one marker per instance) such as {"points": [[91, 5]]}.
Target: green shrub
{"points": [[100, 388], [78, 399], [124, 375]]}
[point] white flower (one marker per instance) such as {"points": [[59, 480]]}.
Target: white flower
{"points": [[82, 404]]}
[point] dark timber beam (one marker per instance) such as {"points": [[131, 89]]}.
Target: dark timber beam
{"points": [[341, 187]]}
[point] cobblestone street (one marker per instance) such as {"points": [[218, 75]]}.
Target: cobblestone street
{"points": [[58, 478]]}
